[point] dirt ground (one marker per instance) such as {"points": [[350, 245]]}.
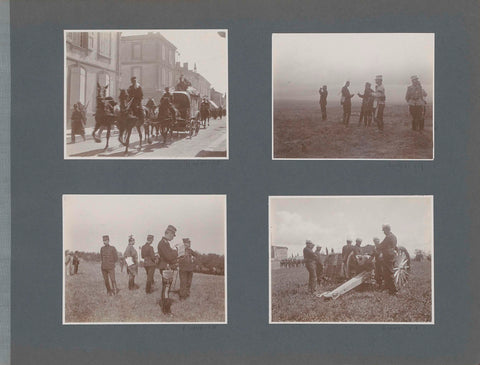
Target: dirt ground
{"points": [[299, 132], [291, 301], [86, 299]]}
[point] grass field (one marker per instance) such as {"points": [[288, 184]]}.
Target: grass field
{"points": [[291, 301], [86, 299], [299, 132]]}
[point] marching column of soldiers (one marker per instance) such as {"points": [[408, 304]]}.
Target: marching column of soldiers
{"points": [[373, 103]]}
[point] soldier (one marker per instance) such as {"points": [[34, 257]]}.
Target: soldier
{"points": [[76, 262], [78, 123], [387, 249], [319, 265], [323, 101], [378, 262], [310, 264], [135, 94], [416, 103], [357, 249], [109, 257], [186, 265], [132, 266], [148, 255], [367, 105], [167, 259], [346, 250], [379, 105], [346, 101]]}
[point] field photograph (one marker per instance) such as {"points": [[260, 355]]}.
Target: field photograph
{"points": [[126, 261], [353, 96], [329, 259]]}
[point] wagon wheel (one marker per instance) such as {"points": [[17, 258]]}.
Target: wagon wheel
{"points": [[401, 267], [351, 265]]}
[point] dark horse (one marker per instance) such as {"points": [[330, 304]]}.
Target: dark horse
{"points": [[104, 114], [126, 120], [205, 114], [166, 117]]}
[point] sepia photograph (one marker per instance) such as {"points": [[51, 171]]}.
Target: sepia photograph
{"points": [[353, 96], [146, 94], [351, 259], [144, 259]]}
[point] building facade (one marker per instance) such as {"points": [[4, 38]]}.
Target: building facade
{"points": [[91, 58], [218, 98], [151, 59], [197, 80], [279, 253]]}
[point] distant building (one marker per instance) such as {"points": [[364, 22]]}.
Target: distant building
{"points": [[91, 57], [198, 81], [218, 98], [151, 58], [279, 253]]}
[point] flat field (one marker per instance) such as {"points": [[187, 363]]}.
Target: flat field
{"points": [[291, 301], [299, 132], [86, 299]]}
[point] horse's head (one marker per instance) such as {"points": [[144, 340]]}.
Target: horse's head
{"points": [[101, 91]]}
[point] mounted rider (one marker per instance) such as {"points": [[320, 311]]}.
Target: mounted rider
{"points": [[183, 84], [135, 94]]}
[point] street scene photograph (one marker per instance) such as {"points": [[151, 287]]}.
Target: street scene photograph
{"points": [[351, 259], [353, 96], [127, 261], [146, 94]]}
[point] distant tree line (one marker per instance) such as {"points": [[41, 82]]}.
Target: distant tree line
{"points": [[210, 263]]}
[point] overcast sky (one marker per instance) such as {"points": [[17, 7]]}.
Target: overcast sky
{"points": [[304, 62], [328, 221], [202, 218], [203, 47]]}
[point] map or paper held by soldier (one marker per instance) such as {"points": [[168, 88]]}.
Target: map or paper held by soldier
{"points": [[181, 249], [129, 260]]}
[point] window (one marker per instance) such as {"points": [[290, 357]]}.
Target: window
{"points": [[136, 51], [104, 43], [137, 72], [79, 39], [76, 86], [91, 40]]}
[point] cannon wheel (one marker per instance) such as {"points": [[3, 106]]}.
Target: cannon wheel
{"points": [[350, 266], [401, 267]]}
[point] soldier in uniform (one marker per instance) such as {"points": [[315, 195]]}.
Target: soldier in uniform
{"points": [[310, 264], [109, 257], [186, 264], [148, 255], [135, 93], [319, 265], [387, 249], [346, 101], [378, 262], [357, 249], [367, 105], [132, 269], [346, 250], [416, 103], [323, 101], [76, 262], [78, 123], [379, 106], [167, 259]]}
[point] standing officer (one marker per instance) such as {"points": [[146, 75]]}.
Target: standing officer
{"points": [[346, 250], [378, 262], [132, 266], [416, 103], [346, 101], [379, 101], [387, 248], [323, 101], [310, 264], [148, 255], [185, 264], [76, 262], [167, 258], [109, 257]]}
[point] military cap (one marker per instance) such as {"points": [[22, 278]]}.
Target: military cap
{"points": [[319, 248], [106, 237], [308, 242], [150, 237], [386, 226], [379, 77], [186, 240], [349, 239], [358, 240], [414, 77], [376, 239], [171, 228], [133, 78]]}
